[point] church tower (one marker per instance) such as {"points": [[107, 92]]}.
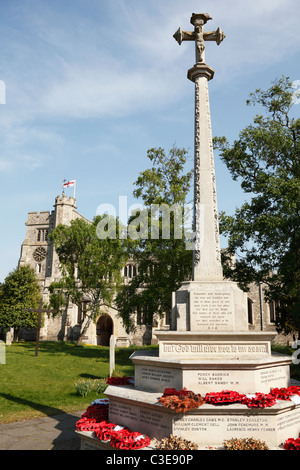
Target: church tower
{"points": [[36, 250]]}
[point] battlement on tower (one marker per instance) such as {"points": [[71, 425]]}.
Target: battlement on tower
{"points": [[38, 218], [64, 200]]}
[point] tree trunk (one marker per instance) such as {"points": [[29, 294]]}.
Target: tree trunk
{"points": [[84, 330], [16, 335]]}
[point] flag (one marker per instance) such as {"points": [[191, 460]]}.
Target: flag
{"points": [[68, 184]]}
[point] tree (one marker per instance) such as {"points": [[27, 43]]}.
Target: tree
{"points": [[90, 267], [264, 232], [20, 290], [161, 254]]}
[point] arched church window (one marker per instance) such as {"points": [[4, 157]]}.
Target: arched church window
{"points": [[130, 271], [42, 235]]}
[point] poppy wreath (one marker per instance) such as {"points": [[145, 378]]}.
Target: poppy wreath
{"points": [[260, 400], [98, 412], [109, 430], [95, 414], [285, 393], [172, 391], [292, 444], [119, 380], [130, 441], [88, 424], [181, 401], [224, 397]]}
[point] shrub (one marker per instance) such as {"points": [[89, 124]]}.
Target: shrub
{"points": [[84, 387], [100, 386]]}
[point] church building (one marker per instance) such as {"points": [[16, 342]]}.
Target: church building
{"points": [[39, 253]]}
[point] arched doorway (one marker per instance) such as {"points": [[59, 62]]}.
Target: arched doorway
{"points": [[104, 330]]}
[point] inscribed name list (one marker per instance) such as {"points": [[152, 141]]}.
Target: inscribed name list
{"points": [[211, 310]]}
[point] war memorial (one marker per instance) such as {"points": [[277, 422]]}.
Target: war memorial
{"points": [[208, 349]]}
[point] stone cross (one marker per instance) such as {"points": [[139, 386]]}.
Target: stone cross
{"points": [[198, 35], [207, 255], [39, 310]]}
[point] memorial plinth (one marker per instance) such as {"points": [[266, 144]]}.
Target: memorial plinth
{"points": [[207, 426], [208, 347]]}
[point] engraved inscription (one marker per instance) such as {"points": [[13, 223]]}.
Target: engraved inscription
{"points": [[131, 415], [216, 378], [147, 373], [291, 419], [273, 376], [123, 411], [214, 349], [225, 424], [211, 310]]}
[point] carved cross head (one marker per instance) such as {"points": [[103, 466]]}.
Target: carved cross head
{"points": [[198, 20]]}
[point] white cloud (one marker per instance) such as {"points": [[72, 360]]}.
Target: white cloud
{"points": [[129, 61], [20, 163]]}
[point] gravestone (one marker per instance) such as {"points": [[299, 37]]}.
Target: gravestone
{"points": [[112, 344], [2, 352], [208, 347], [9, 334]]}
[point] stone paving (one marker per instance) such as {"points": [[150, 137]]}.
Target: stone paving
{"points": [[46, 433]]}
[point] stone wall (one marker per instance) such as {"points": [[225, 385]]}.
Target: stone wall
{"points": [[260, 317]]}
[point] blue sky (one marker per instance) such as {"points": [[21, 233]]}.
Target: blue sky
{"points": [[92, 84]]}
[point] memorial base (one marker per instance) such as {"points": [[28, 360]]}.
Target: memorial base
{"points": [[243, 374], [207, 426]]}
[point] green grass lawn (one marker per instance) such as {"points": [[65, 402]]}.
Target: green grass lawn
{"points": [[33, 386]]}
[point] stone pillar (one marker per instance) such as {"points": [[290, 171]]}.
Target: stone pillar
{"points": [[207, 255]]}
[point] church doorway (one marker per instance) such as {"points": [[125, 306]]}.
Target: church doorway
{"points": [[104, 330]]}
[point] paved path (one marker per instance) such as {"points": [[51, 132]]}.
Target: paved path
{"points": [[49, 433]]}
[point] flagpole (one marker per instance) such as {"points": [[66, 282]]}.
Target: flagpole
{"points": [[74, 188]]}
